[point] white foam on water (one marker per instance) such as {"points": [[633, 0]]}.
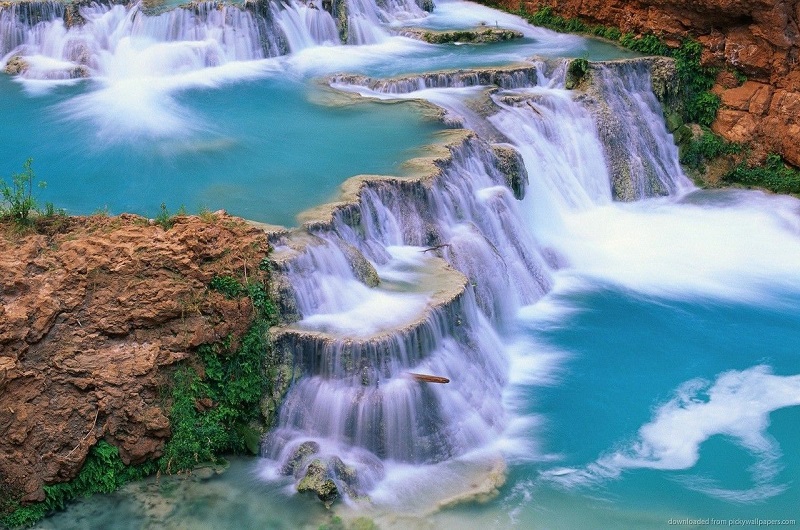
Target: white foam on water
{"points": [[740, 251], [369, 311], [322, 60], [456, 14], [736, 405]]}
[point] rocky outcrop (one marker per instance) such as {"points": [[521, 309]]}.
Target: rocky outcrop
{"points": [[94, 312], [754, 38], [510, 163], [482, 35], [16, 66]]}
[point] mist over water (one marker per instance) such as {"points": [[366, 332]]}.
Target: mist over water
{"points": [[612, 364]]}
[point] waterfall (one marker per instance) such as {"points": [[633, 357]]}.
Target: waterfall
{"points": [[52, 40], [642, 156], [425, 275], [115, 40], [306, 25], [356, 345]]}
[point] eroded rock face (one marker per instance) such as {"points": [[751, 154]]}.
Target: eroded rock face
{"points": [[758, 38], [92, 316]]}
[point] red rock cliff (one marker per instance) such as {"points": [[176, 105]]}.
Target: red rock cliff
{"points": [[91, 317], [759, 38]]}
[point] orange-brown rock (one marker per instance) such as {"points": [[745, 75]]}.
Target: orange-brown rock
{"points": [[92, 317], [758, 38]]}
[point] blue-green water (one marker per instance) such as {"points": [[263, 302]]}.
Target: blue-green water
{"points": [[625, 356], [260, 149], [657, 401]]}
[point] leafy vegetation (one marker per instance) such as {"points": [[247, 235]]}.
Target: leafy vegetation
{"points": [[19, 201], [215, 407], [774, 175], [227, 285], [699, 105], [576, 71], [103, 472], [697, 152]]}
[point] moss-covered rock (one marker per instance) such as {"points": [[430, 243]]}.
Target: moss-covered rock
{"points": [[300, 455], [362, 268], [510, 163], [426, 5], [318, 481], [16, 66], [338, 10], [475, 36], [576, 73]]}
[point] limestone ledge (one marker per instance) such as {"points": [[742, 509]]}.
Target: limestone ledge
{"points": [[479, 35]]}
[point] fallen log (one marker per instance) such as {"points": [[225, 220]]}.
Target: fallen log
{"points": [[425, 378], [437, 247]]}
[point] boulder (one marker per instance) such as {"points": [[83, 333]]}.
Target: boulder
{"points": [[17, 65], [318, 480]]}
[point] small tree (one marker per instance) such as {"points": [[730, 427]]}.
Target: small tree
{"points": [[18, 197]]}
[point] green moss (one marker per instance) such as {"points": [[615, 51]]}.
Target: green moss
{"points": [[484, 35], [103, 472], [576, 71]]}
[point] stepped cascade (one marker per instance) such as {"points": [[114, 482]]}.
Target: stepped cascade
{"points": [[372, 303], [435, 324]]}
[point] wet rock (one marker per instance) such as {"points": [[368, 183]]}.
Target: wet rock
{"points": [[294, 465], [510, 163], [16, 66], [576, 72], [482, 35], [362, 268], [426, 5], [318, 480]]}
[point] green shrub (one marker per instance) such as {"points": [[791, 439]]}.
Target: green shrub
{"points": [[227, 285], [18, 196], [212, 411], [697, 151], [774, 175], [164, 219]]}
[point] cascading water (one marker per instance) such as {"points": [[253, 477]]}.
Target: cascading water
{"points": [[354, 403], [632, 116], [115, 40], [449, 273], [48, 40], [356, 346]]}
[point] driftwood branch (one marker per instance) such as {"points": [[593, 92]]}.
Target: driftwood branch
{"points": [[425, 378], [437, 247]]}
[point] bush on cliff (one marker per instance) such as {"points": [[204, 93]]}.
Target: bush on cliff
{"points": [[18, 200], [774, 175], [697, 152]]}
